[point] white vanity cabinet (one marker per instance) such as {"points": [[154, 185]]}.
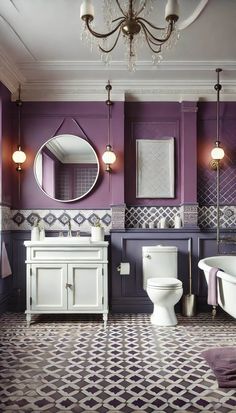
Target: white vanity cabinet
{"points": [[66, 276]]}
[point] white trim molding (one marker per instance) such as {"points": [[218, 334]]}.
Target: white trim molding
{"points": [[10, 75], [148, 83]]}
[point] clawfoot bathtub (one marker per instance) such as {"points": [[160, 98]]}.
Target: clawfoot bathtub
{"points": [[226, 280]]}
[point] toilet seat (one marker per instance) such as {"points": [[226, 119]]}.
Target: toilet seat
{"points": [[164, 283]]}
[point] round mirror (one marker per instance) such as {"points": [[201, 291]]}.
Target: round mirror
{"points": [[66, 168]]}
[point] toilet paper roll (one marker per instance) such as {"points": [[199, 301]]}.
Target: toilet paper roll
{"points": [[124, 268]]}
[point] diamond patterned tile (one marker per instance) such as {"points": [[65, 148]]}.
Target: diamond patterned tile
{"points": [[79, 219], [18, 218], [207, 186], [140, 217], [56, 219], [71, 364], [32, 218], [49, 219]]}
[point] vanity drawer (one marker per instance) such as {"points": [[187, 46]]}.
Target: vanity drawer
{"points": [[67, 253]]}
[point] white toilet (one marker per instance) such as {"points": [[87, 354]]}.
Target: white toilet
{"points": [[161, 283]]}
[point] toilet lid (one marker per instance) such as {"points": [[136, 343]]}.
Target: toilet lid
{"points": [[164, 283]]}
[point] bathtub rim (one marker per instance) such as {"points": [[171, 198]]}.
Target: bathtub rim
{"points": [[203, 265]]}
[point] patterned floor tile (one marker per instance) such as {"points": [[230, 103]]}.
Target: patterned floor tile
{"points": [[71, 364]]}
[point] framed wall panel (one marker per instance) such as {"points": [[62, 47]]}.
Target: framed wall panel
{"points": [[155, 168]]}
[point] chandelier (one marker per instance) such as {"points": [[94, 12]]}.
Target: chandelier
{"points": [[129, 19]]}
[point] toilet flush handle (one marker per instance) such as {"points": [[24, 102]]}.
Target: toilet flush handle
{"points": [[148, 256]]}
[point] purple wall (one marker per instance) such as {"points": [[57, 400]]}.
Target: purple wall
{"points": [[6, 134], [6, 164], [192, 124], [206, 140], [40, 121]]}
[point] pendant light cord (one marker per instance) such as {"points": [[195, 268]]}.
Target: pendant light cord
{"points": [[109, 104], [218, 89], [19, 105]]}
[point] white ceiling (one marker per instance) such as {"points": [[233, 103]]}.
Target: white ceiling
{"points": [[40, 47]]}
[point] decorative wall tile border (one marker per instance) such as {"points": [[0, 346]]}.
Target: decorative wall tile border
{"points": [[141, 217], [189, 215], [207, 217], [5, 218], [144, 217], [135, 217], [118, 216], [58, 219]]}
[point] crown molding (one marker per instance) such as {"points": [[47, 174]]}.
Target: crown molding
{"points": [[129, 89], [81, 91], [10, 75], [132, 90], [97, 65]]}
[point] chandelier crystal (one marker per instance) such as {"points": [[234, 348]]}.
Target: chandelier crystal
{"points": [[130, 20]]}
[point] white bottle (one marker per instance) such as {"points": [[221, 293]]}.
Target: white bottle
{"points": [[178, 222], [35, 233], [163, 223]]}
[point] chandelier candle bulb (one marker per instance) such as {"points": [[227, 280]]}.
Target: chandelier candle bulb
{"points": [[172, 9], [87, 9]]}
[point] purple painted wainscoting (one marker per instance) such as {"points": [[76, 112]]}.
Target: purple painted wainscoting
{"points": [[127, 294], [6, 284], [125, 291]]}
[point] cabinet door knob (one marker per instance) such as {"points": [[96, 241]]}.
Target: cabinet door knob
{"points": [[148, 256], [68, 285]]}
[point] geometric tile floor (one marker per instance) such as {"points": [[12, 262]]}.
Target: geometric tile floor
{"points": [[71, 364]]}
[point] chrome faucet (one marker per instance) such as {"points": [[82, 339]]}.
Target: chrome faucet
{"points": [[69, 229]]}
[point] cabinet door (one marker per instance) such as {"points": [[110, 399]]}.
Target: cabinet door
{"points": [[48, 287], [86, 292]]}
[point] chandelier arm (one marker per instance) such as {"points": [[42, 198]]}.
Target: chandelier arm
{"points": [[114, 45], [122, 11], [149, 40], [102, 35], [141, 9], [118, 18], [156, 40], [150, 24]]}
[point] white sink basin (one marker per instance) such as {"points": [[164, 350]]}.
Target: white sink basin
{"points": [[64, 240]]}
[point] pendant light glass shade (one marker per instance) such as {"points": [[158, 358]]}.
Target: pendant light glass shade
{"points": [[108, 157], [217, 153], [19, 157]]}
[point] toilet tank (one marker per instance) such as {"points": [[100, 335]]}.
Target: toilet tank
{"points": [[159, 261]]}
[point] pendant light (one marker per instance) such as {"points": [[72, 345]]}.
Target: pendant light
{"points": [[19, 156], [217, 155], [109, 156], [217, 152]]}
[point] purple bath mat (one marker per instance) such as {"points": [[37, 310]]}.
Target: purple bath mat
{"points": [[223, 362]]}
